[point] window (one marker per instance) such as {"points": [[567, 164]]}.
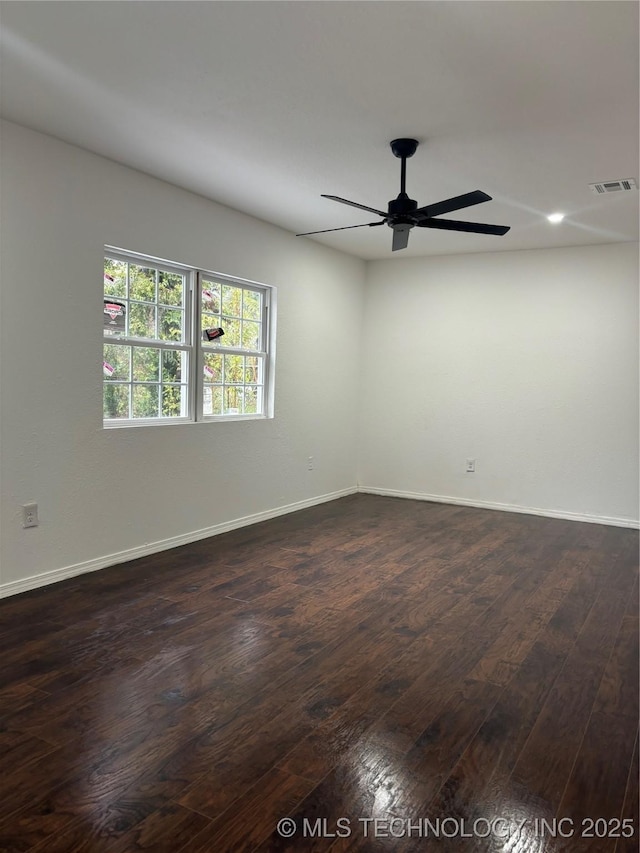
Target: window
{"points": [[182, 344], [234, 366]]}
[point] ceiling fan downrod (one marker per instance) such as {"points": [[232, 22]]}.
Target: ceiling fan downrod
{"points": [[401, 207], [403, 148]]}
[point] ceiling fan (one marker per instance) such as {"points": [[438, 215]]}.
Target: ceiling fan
{"points": [[403, 212]]}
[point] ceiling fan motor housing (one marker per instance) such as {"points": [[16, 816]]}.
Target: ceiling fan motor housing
{"points": [[400, 210], [404, 147]]}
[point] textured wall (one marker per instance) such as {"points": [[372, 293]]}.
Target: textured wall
{"points": [[526, 361]]}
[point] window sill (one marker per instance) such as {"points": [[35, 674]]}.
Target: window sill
{"points": [[207, 419], [145, 422]]}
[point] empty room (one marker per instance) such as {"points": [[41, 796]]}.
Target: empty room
{"points": [[319, 427]]}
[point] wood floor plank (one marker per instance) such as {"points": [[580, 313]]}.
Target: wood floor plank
{"points": [[594, 796], [19, 697], [439, 747], [321, 750], [30, 807], [472, 790], [245, 825], [620, 687], [544, 766], [520, 633], [630, 815], [21, 750], [128, 826]]}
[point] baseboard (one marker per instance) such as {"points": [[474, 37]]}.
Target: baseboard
{"points": [[527, 510], [46, 578]]}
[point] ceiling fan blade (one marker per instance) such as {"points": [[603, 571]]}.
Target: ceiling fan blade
{"points": [[354, 204], [472, 227], [345, 228], [400, 237], [460, 201]]}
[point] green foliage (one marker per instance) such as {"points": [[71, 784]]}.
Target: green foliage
{"points": [[142, 320], [170, 324], [116, 400], [250, 305], [142, 283], [171, 398], [145, 401], [170, 287], [118, 271], [146, 365], [171, 366]]}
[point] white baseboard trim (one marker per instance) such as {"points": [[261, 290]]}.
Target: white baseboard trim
{"points": [[527, 510], [46, 578]]}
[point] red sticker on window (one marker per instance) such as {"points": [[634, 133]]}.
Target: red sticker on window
{"points": [[114, 316]]}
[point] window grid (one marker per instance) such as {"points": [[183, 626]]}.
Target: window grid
{"points": [[234, 365], [146, 364], [152, 374]]}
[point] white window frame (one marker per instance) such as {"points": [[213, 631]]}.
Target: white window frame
{"points": [[195, 346]]}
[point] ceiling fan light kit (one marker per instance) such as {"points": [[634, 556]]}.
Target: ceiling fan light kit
{"points": [[403, 212]]}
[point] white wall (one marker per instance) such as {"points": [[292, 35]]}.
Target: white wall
{"points": [[526, 361], [104, 492]]}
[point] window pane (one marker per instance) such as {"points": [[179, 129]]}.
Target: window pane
{"points": [[142, 321], [232, 401], [174, 401], [174, 366], [233, 368], [212, 400], [115, 401], [114, 317], [251, 401], [117, 363], [142, 283], [145, 364], [213, 366], [145, 401], [170, 325], [251, 305], [231, 332], [251, 368], [231, 300], [210, 296], [250, 335], [209, 321], [170, 288], [115, 278]]}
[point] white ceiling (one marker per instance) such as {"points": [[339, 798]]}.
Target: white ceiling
{"points": [[263, 106]]}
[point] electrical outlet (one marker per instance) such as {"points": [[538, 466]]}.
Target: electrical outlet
{"points": [[30, 515], [309, 463], [471, 466]]}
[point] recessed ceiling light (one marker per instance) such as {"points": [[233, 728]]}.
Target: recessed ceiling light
{"points": [[555, 217]]}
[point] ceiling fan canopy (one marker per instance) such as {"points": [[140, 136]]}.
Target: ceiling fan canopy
{"points": [[403, 212]]}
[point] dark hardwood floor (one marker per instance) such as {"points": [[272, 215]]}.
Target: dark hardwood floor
{"points": [[472, 672]]}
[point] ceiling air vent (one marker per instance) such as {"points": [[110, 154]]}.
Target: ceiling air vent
{"points": [[613, 186]]}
